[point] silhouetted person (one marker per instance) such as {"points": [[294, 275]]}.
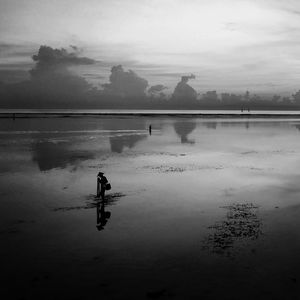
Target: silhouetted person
{"points": [[248, 109], [102, 216], [150, 129], [101, 185], [242, 110]]}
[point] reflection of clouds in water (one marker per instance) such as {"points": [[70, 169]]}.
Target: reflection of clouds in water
{"points": [[241, 223], [120, 141], [238, 123], [211, 125], [183, 129], [289, 186], [12, 160], [50, 155]]}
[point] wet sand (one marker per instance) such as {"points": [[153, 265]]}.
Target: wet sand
{"points": [[199, 209]]}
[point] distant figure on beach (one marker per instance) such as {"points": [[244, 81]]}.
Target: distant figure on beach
{"points": [[102, 215], [150, 129], [101, 185], [248, 109], [242, 110]]}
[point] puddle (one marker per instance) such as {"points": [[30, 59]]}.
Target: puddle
{"points": [[242, 224], [91, 202]]}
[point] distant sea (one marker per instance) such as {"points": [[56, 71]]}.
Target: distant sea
{"points": [[148, 112]]}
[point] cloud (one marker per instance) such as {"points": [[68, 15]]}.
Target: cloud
{"points": [[49, 59], [52, 68], [183, 91], [51, 83], [125, 83], [14, 62], [11, 75], [156, 88]]}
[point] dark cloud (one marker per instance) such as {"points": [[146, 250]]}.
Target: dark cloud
{"points": [[12, 72], [75, 48], [52, 83], [183, 91], [125, 83], [157, 88], [56, 81], [50, 59], [11, 75], [16, 66], [156, 92], [52, 77]]}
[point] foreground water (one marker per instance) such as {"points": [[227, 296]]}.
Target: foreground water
{"points": [[198, 209]]}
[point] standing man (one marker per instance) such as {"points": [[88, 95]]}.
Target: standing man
{"points": [[101, 185]]}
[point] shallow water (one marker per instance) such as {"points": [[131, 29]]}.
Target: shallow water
{"points": [[199, 208]]}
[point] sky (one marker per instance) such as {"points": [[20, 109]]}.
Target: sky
{"points": [[230, 45]]}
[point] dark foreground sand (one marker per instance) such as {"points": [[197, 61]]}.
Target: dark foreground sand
{"points": [[199, 209]]}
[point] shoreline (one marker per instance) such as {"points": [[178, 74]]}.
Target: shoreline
{"points": [[16, 115]]}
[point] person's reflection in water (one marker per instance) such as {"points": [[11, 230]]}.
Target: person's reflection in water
{"points": [[183, 129], [102, 215]]}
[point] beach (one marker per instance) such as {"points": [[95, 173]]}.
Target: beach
{"points": [[200, 208]]}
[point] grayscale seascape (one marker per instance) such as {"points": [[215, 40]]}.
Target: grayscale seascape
{"points": [[201, 206], [150, 149]]}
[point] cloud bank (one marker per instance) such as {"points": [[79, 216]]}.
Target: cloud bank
{"points": [[53, 84], [125, 83], [49, 59], [183, 91]]}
